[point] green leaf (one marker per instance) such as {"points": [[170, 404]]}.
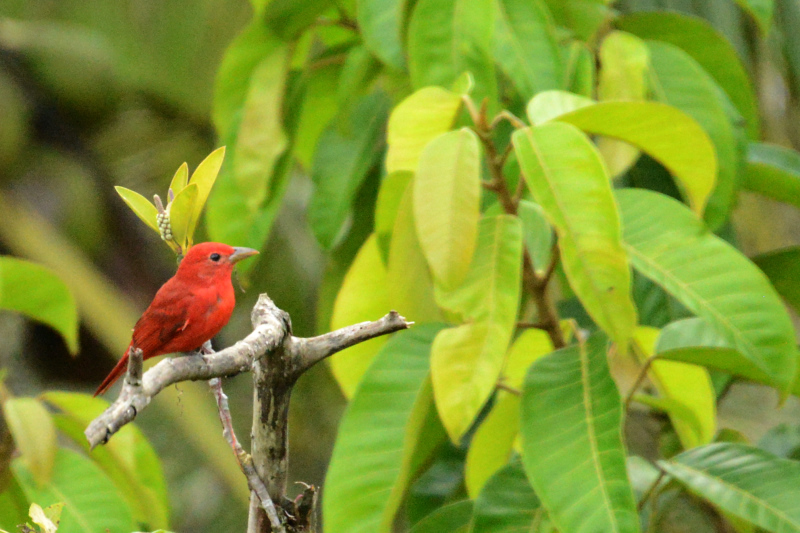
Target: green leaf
{"points": [[665, 133], [507, 503], [567, 178], [181, 214], [369, 467], [537, 232], [261, 138], [667, 243], [687, 386], [38, 293], [34, 435], [706, 45], [746, 482], [320, 104], [773, 171], [447, 191], [526, 47], [141, 206], [416, 121], [782, 267], [204, 176], [680, 81], [180, 179], [254, 44], [624, 74], [91, 502], [409, 282], [128, 459], [13, 506], [548, 105], [346, 152], [363, 296], [492, 443], [381, 25], [583, 17], [448, 37], [453, 518], [288, 18], [393, 187], [572, 441], [466, 361], [761, 11], [581, 71]]}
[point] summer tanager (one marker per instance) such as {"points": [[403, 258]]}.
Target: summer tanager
{"points": [[189, 309]]}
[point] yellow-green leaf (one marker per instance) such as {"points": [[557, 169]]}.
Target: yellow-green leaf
{"points": [[417, 120], [180, 179], [261, 139], [140, 205], [181, 216], [410, 286], [363, 296], [492, 443], [466, 361], [204, 177], [34, 435], [624, 61], [447, 192], [685, 385], [393, 187], [568, 179], [548, 105]]}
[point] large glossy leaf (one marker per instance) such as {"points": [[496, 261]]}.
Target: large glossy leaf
{"points": [[409, 282], [370, 461], [91, 501], [128, 459], [705, 45], [666, 134], [466, 361], [261, 138], [667, 243], [381, 25], [526, 48], [448, 37], [680, 81], [140, 205], [773, 171], [416, 121], [453, 518], [782, 267], [746, 482], [583, 17], [572, 441], [548, 105], [346, 152], [34, 435], [320, 104], [362, 296], [624, 61], [204, 176], [447, 191], [537, 233], [507, 503], [568, 179], [686, 389], [393, 187], [38, 293]]}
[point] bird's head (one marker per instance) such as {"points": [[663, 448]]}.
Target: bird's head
{"points": [[211, 259]]}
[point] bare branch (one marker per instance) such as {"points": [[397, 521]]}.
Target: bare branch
{"points": [[307, 352], [245, 461]]}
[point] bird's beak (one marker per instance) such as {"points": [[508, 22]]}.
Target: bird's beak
{"points": [[241, 253]]}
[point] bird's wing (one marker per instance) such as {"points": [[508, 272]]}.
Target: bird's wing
{"points": [[166, 317]]}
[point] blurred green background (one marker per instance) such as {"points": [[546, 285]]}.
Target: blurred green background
{"points": [[95, 94]]}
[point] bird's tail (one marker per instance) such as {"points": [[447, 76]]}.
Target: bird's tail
{"points": [[121, 367]]}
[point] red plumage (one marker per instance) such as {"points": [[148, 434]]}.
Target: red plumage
{"points": [[189, 309]]}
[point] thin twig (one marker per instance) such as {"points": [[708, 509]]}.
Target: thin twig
{"points": [[508, 388], [650, 491], [639, 379], [531, 325], [255, 483]]}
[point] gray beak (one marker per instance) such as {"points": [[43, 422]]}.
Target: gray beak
{"points": [[241, 253]]}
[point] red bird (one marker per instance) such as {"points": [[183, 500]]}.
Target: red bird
{"points": [[189, 309]]}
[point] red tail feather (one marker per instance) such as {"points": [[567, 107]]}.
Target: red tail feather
{"points": [[120, 369]]}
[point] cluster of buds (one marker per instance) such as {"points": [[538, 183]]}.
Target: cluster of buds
{"points": [[163, 222]]}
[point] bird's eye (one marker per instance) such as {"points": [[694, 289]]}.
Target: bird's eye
{"points": [[214, 257]]}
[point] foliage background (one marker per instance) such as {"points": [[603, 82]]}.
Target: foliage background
{"points": [[96, 93]]}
